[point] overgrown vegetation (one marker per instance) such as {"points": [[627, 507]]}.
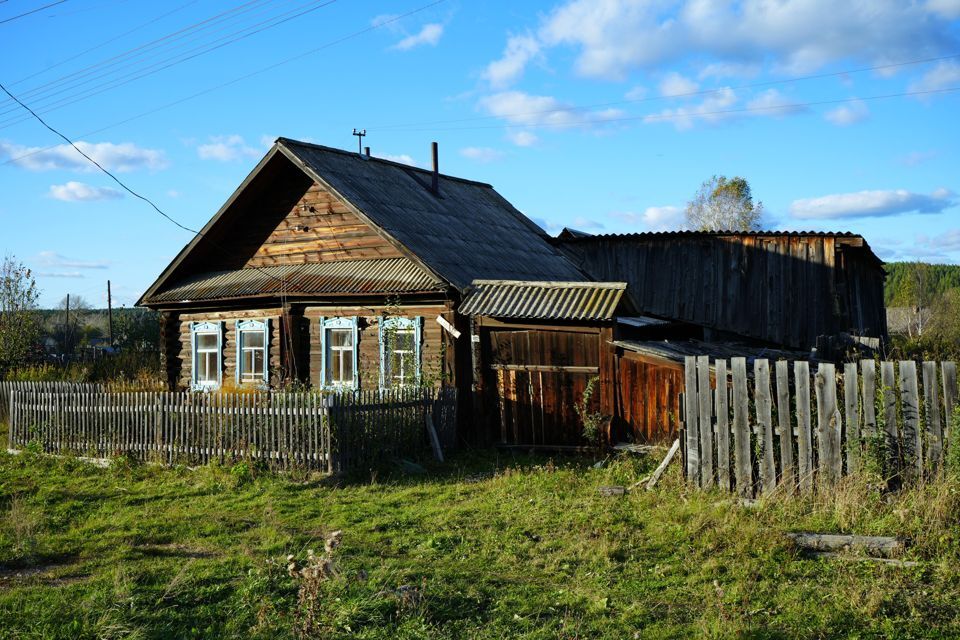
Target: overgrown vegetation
{"points": [[487, 546]]}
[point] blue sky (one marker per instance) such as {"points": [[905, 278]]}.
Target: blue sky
{"points": [[605, 115]]}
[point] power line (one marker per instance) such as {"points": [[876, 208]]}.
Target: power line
{"points": [[123, 185], [52, 4], [238, 79], [693, 115], [169, 62], [686, 94], [146, 51]]}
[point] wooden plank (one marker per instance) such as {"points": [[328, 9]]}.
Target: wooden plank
{"points": [[691, 415], [910, 409], [768, 468], [655, 478], [801, 372], [880, 545], [723, 424], [851, 404], [542, 367], [931, 415], [787, 468], [828, 424], [743, 467], [868, 375], [888, 387], [949, 371], [705, 421]]}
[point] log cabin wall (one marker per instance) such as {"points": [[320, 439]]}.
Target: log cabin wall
{"points": [[184, 361], [436, 355], [319, 227]]}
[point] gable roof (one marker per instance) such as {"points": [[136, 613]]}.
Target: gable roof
{"points": [[468, 231]]}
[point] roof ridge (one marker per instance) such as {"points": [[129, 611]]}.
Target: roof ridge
{"points": [[690, 232], [394, 163]]}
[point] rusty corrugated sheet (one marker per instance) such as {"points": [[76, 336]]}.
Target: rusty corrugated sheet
{"points": [[543, 300], [388, 275]]}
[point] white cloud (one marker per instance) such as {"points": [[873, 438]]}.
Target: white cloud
{"points": [[773, 103], [79, 192], [674, 84], [848, 114], [947, 241], [519, 51], [402, 158], [430, 34], [583, 223], [666, 218], [729, 70], [519, 108], [481, 154], [916, 158], [522, 138], [712, 109], [879, 203], [53, 260], [636, 93], [944, 75], [121, 158], [613, 37], [227, 148], [949, 9], [60, 274]]}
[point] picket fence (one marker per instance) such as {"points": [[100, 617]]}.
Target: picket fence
{"points": [[332, 432], [738, 435]]}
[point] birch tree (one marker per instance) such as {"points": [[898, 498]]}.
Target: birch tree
{"points": [[20, 322], [724, 204]]}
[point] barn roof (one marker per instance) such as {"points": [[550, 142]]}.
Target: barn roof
{"points": [[543, 300], [465, 231], [384, 276]]}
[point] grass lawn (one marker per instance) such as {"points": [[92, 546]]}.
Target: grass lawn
{"points": [[489, 545]]}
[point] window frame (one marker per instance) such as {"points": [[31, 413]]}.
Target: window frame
{"points": [[198, 329], [253, 326], [339, 322], [388, 323]]}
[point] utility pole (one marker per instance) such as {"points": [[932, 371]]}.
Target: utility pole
{"points": [[67, 333], [110, 313], [360, 135]]}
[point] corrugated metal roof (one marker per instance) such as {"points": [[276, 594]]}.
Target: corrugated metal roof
{"points": [[543, 300], [677, 350], [388, 275]]}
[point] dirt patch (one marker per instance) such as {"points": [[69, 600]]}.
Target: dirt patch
{"points": [[174, 551], [11, 576]]}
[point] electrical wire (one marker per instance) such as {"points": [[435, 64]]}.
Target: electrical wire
{"points": [[123, 185], [671, 96], [166, 64], [32, 11], [241, 78]]}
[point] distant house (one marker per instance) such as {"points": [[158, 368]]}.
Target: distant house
{"points": [[345, 271]]}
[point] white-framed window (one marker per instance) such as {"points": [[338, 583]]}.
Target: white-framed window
{"points": [[253, 351], [207, 341], [400, 352], [339, 341]]}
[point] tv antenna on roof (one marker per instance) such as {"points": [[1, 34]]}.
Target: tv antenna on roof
{"points": [[360, 135]]}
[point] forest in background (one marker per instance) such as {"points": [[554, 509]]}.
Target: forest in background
{"points": [[928, 296]]}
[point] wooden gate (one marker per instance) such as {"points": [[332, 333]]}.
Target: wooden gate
{"points": [[536, 379]]}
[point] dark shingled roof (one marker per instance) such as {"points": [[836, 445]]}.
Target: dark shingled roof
{"points": [[468, 232]]}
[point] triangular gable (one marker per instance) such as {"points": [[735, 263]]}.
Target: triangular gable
{"points": [[329, 229]]}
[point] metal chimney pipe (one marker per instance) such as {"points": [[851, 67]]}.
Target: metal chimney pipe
{"points": [[366, 151], [435, 178]]}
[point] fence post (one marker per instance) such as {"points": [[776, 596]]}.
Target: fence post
{"points": [[801, 380], [723, 425], [768, 465], [743, 466], [784, 425], [851, 395], [931, 414], [692, 408], [910, 407], [828, 423], [949, 370], [705, 397]]}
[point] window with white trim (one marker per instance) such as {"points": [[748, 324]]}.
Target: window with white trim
{"points": [[207, 340], [339, 337], [400, 352], [253, 349]]}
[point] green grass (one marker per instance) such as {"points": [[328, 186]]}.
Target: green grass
{"points": [[500, 546]]}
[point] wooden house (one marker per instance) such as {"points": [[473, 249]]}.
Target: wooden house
{"points": [[343, 271]]}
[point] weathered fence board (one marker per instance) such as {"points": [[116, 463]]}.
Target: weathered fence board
{"points": [[691, 414], [330, 432], [916, 425]]}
